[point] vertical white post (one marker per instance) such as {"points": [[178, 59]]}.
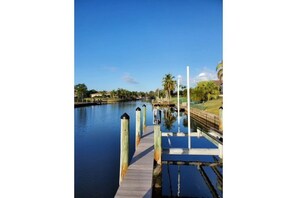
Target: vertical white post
{"points": [[137, 128], [178, 119], [188, 101]]}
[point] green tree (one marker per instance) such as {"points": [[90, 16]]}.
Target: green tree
{"points": [[89, 92], [183, 90], [206, 90], [81, 91], [169, 85], [160, 93], [151, 95], [123, 93], [143, 94], [104, 92], [113, 93], [120, 93]]}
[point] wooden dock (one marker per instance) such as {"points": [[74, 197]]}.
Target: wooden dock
{"points": [[208, 120], [142, 177], [139, 177], [164, 104]]}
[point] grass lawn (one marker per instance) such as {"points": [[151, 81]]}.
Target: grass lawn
{"points": [[181, 99], [213, 106]]}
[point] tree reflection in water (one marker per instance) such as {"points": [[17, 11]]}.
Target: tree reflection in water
{"points": [[194, 124], [185, 122], [169, 118]]}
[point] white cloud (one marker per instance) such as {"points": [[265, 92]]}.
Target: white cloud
{"points": [[129, 79], [202, 74], [205, 76]]}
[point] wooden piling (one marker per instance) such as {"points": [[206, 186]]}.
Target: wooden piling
{"points": [[124, 152], [157, 144], [144, 118], [157, 175], [157, 179], [221, 119], [137, 128]]}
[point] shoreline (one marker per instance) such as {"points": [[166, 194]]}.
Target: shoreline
{"points": [[85, 104]]}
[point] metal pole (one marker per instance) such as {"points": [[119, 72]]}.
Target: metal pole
{"points": [[188, 101], [144, 118]]}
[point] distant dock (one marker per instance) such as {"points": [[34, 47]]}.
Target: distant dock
{"points": [[85, 104]]}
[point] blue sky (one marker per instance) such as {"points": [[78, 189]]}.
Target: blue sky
{"points": [[133, 44]]}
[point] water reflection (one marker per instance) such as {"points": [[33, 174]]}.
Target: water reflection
{"points": [[191, 180], [97, 152], [97, 146], [185, 122], [194, 124], [169, 118], [187, 180], [82, 115]]}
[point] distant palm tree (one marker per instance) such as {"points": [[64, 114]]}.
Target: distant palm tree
{"points": [[169, 84], [220, 71], [220, 75]]}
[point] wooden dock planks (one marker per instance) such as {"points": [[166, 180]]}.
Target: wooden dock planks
{"points": [[138, 180]]}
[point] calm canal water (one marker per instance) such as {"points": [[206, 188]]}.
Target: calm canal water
{"points": [[97, 147]]}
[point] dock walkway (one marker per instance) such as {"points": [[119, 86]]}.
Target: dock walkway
{"points": [[138, 180]]}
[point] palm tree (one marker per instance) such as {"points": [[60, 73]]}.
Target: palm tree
{"points": [[220, 75], [220, 71], [169, 84]]}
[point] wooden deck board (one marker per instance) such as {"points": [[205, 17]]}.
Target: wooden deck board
{"points": [[138, 180]]}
